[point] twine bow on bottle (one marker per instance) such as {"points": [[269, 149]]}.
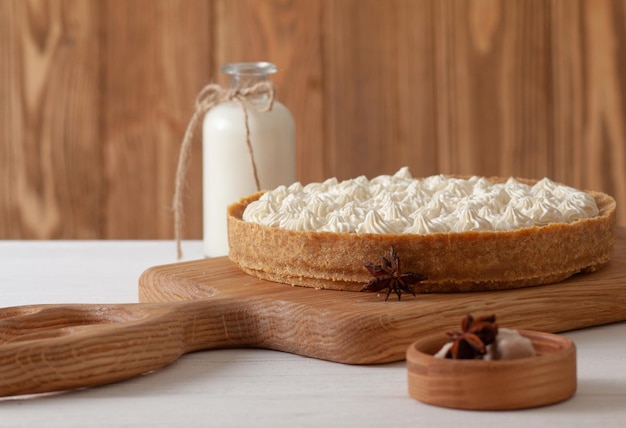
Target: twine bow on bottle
{"points": [[210, 96]]}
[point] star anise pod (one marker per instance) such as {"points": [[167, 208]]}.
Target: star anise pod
{"points": [[471, 342], [388, 275]]}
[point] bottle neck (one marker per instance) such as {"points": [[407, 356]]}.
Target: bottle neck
{"points": [[246, 80], [246, 74], [243, 74]]}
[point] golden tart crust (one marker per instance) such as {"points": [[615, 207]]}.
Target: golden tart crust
{"points": [[453, 262]]}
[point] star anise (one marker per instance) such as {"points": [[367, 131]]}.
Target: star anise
{"points": [[388, 274], [471, 342]]}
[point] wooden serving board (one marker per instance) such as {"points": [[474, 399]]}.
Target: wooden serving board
{"points": [[361, 328]]}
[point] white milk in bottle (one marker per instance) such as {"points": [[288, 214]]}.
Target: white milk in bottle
{"points": [[227, 167]]}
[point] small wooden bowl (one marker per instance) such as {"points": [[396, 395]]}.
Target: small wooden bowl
{"points": [[547, 378]]}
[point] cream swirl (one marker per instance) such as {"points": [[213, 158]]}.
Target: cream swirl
{"points": [[337, 224], [468, 220], [375, 223], [424, 225], [305, 221], [511, 218]]}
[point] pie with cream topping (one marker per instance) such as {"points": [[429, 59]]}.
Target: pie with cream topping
{"points": [[462, 233]]}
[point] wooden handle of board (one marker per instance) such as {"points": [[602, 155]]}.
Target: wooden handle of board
{"points": [[47, 348]]}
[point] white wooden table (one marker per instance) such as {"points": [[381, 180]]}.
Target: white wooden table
{"points": [[248, 387]]}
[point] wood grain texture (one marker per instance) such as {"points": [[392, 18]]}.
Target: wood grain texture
{"points": [[494, 92], [56, 347], [154, 63], [361, 328], [379, 88], [547, 378], [96, 95], [210, 304], [590, 95], [51, 162]]}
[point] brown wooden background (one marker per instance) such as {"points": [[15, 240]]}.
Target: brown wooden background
{"points": [[95, 96]]}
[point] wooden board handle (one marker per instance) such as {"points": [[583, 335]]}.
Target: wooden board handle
{"points": [[47, 348]]}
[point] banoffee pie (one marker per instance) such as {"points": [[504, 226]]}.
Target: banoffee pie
{"points": [[462, 233]]}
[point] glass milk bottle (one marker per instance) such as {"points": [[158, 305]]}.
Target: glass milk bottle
{"points": [[227, 168]]}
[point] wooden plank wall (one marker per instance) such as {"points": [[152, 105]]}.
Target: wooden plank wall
{"points": [[95, 96]]}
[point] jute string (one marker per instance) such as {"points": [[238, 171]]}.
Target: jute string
{"points": [[210, 96]]}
